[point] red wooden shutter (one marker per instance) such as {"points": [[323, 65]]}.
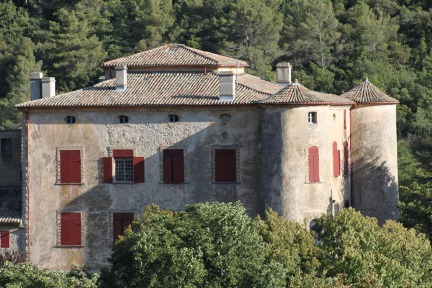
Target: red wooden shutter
{"points": [[173, 166], [138, 163], [70, 166], [120, 222], [70, 229], [345, 126], [4, 235], [123, 153], [313, 164], [346, 157], [107, 170], [225, 165], [336, 160]]}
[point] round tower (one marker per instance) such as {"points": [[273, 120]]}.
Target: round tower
{"points": [[374, 174]]}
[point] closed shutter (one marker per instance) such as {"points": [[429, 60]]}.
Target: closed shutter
{"points": [[138, 163], [4, 235], [70, 166], [120, 222], [70, 229], [345, 123], [313, 164], [225, 165], [122, 153], [346, 157], [336, 160], [173, 166], [107, 169]]}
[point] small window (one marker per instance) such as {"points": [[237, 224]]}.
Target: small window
{"points": [[123, 167], [4, 239], [70, 229], [6, 147], [70, 166], [121, 220], [173, 166], [225, 165], [173, 118], [313, 160], [70, 119], [312, 117], [123, 119]]}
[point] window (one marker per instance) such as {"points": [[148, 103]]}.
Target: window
{"points": [[4, 236], [126, 167], [346, 157], [336, 160], [70, 229], [225, 165], [121, 220], [123, 119], [173, 118], [313, 161], [70, 166], [6, 147], [224, 118], [173, 166], [70, 119], [312, 117]]}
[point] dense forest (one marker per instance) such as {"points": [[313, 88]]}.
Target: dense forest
{"points": [[332, 44]]}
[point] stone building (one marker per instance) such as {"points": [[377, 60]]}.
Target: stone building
{"points": [[10, 191], [176, 126]]}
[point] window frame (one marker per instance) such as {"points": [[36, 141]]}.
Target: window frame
{"points": [[109, 167], [113, 237], [171, 158], [220, 156], [5, 239], [64, 165], [62, 241], [124, 174], [312, 117]]}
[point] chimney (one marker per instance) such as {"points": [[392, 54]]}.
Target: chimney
{"points": [[48, 87], [36, 85], [283, 73], [121, 77], [226, 86]]}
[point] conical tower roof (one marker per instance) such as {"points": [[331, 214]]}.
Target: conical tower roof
{"points": [[296, 93], [366, 92]]}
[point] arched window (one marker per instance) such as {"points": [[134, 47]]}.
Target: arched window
{"points": [[123, 119], [173, 118], [70, 119]]}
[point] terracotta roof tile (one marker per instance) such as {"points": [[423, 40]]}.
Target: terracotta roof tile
{"points": [[175, 55], [295, 93], [10, 205], [161, 89], [366, 92]]}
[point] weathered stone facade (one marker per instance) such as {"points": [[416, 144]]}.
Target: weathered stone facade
{"points": [[292, 148]]}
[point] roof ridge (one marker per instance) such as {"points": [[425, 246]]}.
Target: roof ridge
{"points": [[193, 50]]}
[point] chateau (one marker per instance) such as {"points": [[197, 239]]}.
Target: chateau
{"points": [[176, 126]]}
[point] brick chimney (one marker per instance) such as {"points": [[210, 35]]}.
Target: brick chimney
{"points": [[283, 73], [226, 86], [121, 77]]}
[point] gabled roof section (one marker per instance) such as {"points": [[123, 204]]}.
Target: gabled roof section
{"points": [[297, 94], [161, 89], [175, 55], [10, 205], [366, 92]]}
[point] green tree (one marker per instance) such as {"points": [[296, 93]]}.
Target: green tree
{"points": [[367, 255]]}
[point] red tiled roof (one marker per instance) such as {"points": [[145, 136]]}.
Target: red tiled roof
{"points": [[366, 92], [161, 89], [175, 55], [295, 93]]}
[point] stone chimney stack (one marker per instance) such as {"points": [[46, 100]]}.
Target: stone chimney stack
{"points": [[36, 85], [121, 77], [48, 87], [283, 73], [226, 86]]}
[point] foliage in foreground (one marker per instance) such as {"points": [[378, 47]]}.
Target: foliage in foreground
{"points": [[218, 245], [25, 275]]}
